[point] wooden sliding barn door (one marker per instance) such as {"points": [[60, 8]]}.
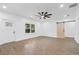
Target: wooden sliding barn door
{"points": [[60, 29]]}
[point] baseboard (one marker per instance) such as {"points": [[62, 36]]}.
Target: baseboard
{"points": [[25, 38], [8, 43]]}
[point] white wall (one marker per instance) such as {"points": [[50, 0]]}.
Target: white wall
{"points": [[77, 31], [50, 29], [77, 26], [42, 29], [6, 33], [20, 30], [69, 29]]}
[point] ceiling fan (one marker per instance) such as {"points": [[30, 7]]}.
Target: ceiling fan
{"points": [[43, 15]]}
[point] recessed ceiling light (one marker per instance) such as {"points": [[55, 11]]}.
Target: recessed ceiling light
{"points": [[61, 5], [4, 7]]}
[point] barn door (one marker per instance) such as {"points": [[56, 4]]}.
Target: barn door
{"points": [[60, 29]]}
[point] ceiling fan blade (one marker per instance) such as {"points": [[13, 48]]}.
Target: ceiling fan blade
{"points": [[46, 13], [39, 13], [48, 17], [42, 13], [49, 14]]}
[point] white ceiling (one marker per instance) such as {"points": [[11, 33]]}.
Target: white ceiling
{"points": [[31, 9]]}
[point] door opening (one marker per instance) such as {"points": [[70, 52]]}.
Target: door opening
{"points": [[60, 29]]}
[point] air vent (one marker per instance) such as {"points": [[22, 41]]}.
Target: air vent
{"points": [[73, 5]]}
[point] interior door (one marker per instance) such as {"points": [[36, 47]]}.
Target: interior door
{"points": [[6, 33], [60, 29]]}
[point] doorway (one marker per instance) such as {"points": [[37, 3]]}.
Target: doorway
{"points": [[60, 29], [6, 32]]}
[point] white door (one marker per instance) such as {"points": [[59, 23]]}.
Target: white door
{"points": [[6, 33]]}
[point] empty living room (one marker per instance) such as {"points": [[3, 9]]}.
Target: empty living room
{"points": [[39, 28]]}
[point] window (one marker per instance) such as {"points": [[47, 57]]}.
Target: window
{"points": [[29, 28], [32, 28]]}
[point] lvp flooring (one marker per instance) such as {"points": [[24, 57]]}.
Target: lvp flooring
{"points": [[41, 46]]}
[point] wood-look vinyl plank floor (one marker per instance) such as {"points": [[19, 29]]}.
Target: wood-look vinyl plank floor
{"points": [[41, 46]]}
